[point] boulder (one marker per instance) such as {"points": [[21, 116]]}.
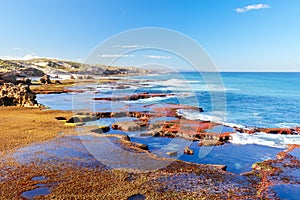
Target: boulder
{"points": [[45, 79], [63, 119], [188, 151], [9, 77], [74, 120], [114, 126], [30, 71], [26, 81], [57, 82], [103, 115], [104, 129], [130, 126], [17, 95], [209, 142]]}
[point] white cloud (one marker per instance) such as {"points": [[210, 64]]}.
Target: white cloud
{"points": [[157, 57], [26, 57], [129, 46], [17, 48], [114, 56], [252, 7]]}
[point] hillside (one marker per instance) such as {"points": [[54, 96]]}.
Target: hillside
{"points": [[64, 69]]}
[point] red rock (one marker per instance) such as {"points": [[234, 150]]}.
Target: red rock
{"points": [[284, 131], [170, 110], [133, 97], [103, 115], [291, 147], [115, 126]]}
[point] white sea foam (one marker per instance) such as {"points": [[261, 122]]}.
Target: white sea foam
{"points": [[196, 115], [154, 99], [170, 82], [271, 140], [233, 125], [287, 125], [195, 81], [197, 88]]}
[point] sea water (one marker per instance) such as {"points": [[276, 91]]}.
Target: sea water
{"points": [[234, 99], [252, 99]]}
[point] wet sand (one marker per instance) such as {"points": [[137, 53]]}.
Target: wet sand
{"points": [[79, 175], [22, 126], [34, 145]]}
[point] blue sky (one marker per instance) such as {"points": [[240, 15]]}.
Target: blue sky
{"points": [[239, 35]]}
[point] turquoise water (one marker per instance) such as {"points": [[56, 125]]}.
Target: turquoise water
{"points": [[240, 99], [263, 99], [248, 99], [251, 99]]}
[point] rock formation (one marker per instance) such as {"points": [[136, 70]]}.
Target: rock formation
{"points": [[133, 97], [10, 77], [188, 151], [17, 95], [30, 71], [45, 79]]}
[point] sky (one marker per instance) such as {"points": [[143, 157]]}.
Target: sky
{"points": [[238, 35]]}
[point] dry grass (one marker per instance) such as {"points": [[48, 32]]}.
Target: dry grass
{"points": [[22, 126]]}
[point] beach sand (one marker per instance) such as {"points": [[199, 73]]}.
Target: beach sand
{"points": [[66, 179], [66, 170], [22, 126]]}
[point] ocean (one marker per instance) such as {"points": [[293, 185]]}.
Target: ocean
{"points": [[232, 98], [252, 99]]}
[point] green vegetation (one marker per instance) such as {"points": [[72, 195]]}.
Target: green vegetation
{"points": [[261, 166], [6, 66], [62, 66]]}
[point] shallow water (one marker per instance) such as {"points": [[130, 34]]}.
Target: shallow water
{"points": [[40, 191], [296, 153], [287, 191], [89, 151], [69, 149], [252, 99], [237, 158], [38, 178]]}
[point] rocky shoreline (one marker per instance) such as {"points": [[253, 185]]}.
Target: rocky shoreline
{"points": [[177, 180]]}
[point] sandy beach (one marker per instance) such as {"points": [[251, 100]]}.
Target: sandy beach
{"points": [[21, 127]]}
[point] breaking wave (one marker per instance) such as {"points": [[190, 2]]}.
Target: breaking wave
{"points": [[196, 115], [271, 140], [188, 85]]}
